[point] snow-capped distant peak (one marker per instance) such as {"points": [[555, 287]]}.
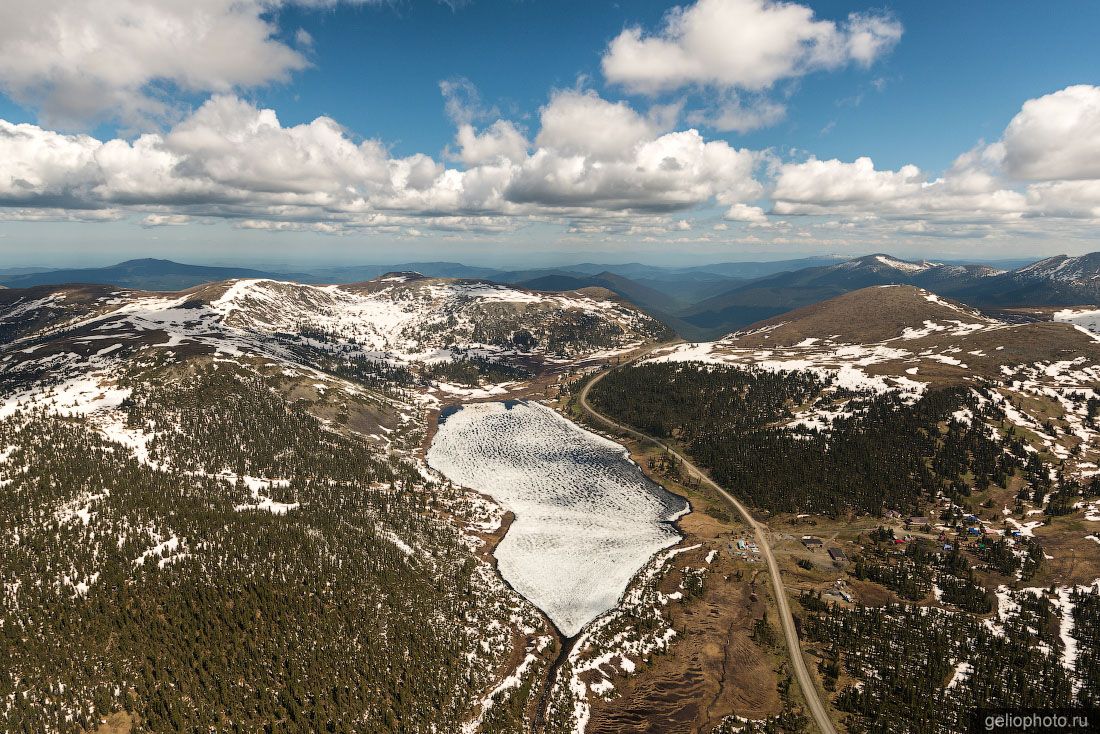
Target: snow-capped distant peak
{"points": [[902, 265], [1063, 268], [1048, 266], [879, 263]]}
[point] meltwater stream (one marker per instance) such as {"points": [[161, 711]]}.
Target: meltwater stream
{"points": [[586, 517]]}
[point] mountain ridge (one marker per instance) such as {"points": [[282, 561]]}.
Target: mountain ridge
{"points": [[1061, 280], [767, 297], [145, 274], [698, 302]]}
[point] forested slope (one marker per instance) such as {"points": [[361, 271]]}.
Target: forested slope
{"points": [[884, 454], [215, 514], [265, 570], [928, 476]]}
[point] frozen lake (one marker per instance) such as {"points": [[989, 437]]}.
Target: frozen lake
{"points": [[586, 517]]}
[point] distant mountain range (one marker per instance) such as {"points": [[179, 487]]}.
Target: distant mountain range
{"points": [[8, 272], [145, 274], [699, 302], [1055, 281], [663, 292], [901, 337], [766, 297]]}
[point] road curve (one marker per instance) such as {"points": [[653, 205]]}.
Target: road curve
{"points": [[809, 690]]}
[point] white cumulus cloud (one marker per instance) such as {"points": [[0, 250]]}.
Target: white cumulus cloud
{"points": [[501, 140], [583, 123], [732, 114], [37, 164], [743, 44], [1046, 165], [834, 181], [1056, 136], [81, 61], [234, 160], [165, 220], [78, 60], [744, 213]]}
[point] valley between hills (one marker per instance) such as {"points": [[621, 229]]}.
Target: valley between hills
{"points": [[250, 503]]}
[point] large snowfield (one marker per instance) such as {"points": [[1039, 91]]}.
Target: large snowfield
{"points": [[587, 519]]}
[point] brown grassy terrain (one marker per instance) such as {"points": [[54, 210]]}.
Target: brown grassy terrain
{"points": [[1076, 557], [880, 316], [714, 667], [714, 670], [117, 723], [860, 317]]}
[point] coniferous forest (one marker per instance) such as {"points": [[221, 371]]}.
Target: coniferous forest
{"points": [[901, 667], [166, 589], [929, 670], [882, 454]]}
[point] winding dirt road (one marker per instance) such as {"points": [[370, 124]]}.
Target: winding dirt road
{"points": [[809, 690]]}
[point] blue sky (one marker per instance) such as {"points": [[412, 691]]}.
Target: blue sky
{"points": [[960, 73], [941, 79]]}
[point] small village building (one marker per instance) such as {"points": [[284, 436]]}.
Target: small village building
{"points": [[837, 555]]}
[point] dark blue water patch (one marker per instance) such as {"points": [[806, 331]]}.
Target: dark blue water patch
{"points": [[447, 413]]}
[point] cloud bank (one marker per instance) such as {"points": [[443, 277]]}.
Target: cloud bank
{"points": [[1046, 164], [230, 159], [586, 163], [590, 160]]}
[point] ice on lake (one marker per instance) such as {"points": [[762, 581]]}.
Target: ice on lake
{"points": [[587, 519]]}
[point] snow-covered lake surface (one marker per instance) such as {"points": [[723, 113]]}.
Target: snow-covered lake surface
{"points": [[587, 519]]}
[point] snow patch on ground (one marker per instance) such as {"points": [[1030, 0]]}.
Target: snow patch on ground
{"points": [[80, 508], [512, 680], [1087, 319], [261, 501], [586, 517], [1063, 602], [165, 552], [844, 365], [962, 672]]}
